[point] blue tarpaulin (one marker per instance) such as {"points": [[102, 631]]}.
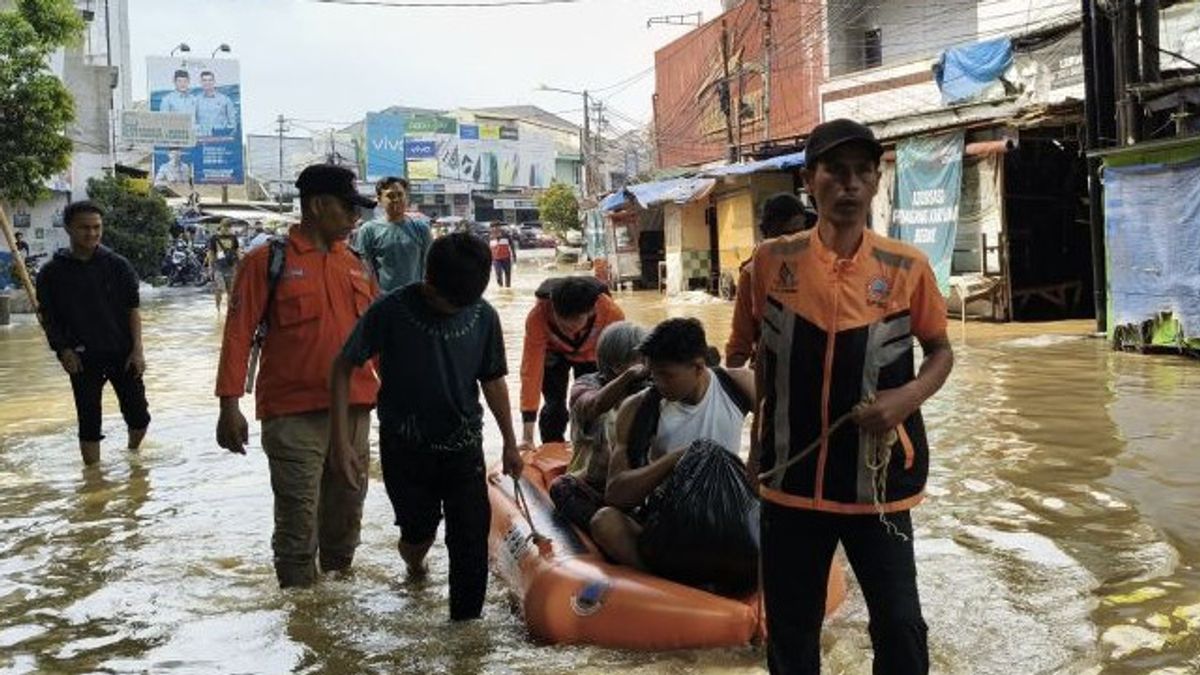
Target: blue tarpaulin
{"points": [[963, 72], [794, 160], [1152, 230], [645, 195]]}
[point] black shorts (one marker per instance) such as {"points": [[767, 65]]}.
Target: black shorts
{"points": [[422, 485]]}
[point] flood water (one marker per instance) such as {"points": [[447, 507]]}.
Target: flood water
{"points": [[1061, 534]]}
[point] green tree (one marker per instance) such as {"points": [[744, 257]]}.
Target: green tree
{"points": [[35, 107], [558, 208], [136, 224]]}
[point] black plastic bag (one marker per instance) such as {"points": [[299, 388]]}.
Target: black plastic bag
{"points": [[701, 523]]}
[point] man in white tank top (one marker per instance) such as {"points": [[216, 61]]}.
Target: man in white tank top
{"points": [[689, 402]]}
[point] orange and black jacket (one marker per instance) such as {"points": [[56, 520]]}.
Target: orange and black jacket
{"points": [[835, 331], [543, 336]]}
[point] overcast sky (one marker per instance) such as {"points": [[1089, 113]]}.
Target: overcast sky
{"points": [[333, 63]]}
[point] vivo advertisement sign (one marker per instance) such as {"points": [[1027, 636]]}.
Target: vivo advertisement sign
{"points": [[385, 145], [209, 93]]}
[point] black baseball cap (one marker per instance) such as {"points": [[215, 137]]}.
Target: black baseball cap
{"points": [[327, 179], [834, 133]]}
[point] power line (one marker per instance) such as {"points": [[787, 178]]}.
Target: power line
{"points": [[447, 5]]}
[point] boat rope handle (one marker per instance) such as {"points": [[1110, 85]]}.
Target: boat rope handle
{"points": [[523, 506]]}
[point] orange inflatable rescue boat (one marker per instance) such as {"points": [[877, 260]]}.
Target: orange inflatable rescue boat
{"points": [[569, 593]]}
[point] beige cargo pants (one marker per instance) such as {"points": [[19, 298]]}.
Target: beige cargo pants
{"points": [[316, 511]]}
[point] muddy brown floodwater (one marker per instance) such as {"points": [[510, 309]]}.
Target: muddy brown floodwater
{"points": [[1062, 532]]}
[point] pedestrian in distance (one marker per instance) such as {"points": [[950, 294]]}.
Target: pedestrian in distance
{"points": [[297, 298], [840, 453], [561, 332], [224, 251], [90, 307], [504, 254], [395, 246], [782, 214], [438, 343]]}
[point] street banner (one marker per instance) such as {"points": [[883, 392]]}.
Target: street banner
{"points": [[142, 127], [208, 91], [928, 191], [385, 145]]}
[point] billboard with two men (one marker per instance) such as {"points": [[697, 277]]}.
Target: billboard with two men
{"points": [[209, 92]]}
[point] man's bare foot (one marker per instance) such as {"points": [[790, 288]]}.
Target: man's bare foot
{"points": [[414, 558], [135, 438], [90, 451]]}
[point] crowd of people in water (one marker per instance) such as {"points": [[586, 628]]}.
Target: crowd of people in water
{"points": [[322, 330]]}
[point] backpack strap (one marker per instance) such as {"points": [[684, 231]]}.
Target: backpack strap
{"points": [[275, 263], [733, 391], [643, 429]]}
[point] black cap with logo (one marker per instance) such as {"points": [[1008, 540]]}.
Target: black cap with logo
{"points": [[327, 179], [834, 133]]}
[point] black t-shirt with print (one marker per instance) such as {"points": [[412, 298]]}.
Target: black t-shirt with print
{"points": [[430, 367]]}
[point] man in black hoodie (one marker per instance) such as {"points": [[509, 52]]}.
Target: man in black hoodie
{"points": [[88, 297]]}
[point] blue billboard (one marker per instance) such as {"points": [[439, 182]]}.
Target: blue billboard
{"points": [[385, 145], [209, 90]]}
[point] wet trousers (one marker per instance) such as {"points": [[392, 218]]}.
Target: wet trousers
{"points": [[424, 485], [316, 511], [503, 270], [88, 388], [556, 376], [797, 549]]}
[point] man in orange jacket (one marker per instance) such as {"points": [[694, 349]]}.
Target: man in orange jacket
{"points": [[560, 337], [309, 309]]}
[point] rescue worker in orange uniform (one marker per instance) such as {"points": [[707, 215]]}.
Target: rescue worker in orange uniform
{"points": [[309, 307], [839, 307], [561, 332]]}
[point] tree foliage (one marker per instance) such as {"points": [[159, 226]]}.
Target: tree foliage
{"points": [[35, 106], [558, 208], [137, 224]]}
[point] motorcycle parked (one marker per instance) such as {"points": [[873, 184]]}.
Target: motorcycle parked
{"points": [[183, 265]]}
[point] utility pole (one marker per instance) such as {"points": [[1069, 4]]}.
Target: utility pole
{"points": [[598, 145], [765, 7], [585, 146], [279, 188], [723, 94]]}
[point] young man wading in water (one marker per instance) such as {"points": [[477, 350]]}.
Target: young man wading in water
{"points": [[838, 308], [88, 298]]}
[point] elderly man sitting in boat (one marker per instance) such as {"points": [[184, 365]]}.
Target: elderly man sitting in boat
{"points": [[594, 401], [674, 467]]}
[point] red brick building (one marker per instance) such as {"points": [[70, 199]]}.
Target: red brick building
{"points": [[689, 120]]}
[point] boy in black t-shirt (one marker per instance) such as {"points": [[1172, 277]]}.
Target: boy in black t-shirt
{"points": [[438, 344]]}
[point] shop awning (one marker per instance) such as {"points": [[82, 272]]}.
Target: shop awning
{"points": [[793, 160], [645, 195]]}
